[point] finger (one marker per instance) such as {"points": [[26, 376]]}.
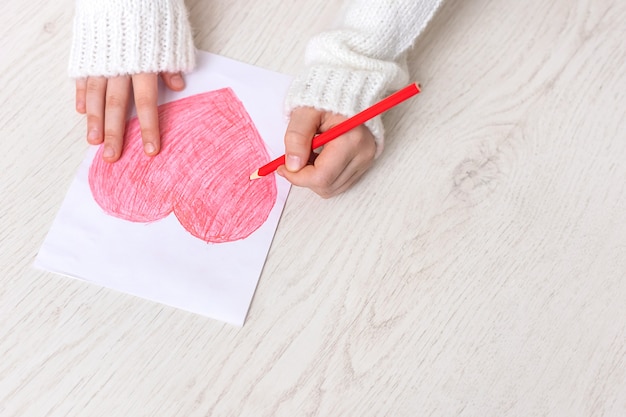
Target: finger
{"points": [[323, 188], [355, 151], [146, 94], [173, 80], [352, 173], [81, 93], [331, 169], [340, 164], [116, 106], [356, 176], [303, 125], [94, 108]]}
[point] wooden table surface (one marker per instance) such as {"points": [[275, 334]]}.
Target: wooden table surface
{"points": [[477, 270]]}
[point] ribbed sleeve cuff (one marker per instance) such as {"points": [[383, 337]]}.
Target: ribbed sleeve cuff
{"points": [[116, 37], [339, 91]]}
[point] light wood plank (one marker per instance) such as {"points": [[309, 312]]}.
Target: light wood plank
{"points": [[477, 270]]}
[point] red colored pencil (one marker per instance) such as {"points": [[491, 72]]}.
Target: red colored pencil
{"points": [[349, 124]]}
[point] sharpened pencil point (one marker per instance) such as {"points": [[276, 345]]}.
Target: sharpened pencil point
{"points": [[255, 175]]}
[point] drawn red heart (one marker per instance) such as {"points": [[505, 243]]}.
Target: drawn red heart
{"points": [[209, 147]]}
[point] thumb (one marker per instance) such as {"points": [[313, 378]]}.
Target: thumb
{"points": [[303, 125]]}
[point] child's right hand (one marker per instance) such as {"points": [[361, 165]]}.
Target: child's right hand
{"points": [[105, 102]]}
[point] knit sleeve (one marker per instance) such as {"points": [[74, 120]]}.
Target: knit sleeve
{"points": [[116, 37], [350, 68]]}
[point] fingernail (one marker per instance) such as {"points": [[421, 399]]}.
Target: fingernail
{"points": [[149, 148], [293, 162], [93, 135], [108, 152], [177, 81]]}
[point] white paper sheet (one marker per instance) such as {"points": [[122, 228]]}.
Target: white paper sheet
{"points": [[161, 261]]}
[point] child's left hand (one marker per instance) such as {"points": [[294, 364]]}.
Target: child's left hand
{"points": [[105, 101], [340, 164]]}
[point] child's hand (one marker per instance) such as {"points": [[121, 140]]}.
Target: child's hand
{"points": [[340, 164], [105, 101]]}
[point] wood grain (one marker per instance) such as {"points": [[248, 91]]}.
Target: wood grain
{"points": [[477, 270]]}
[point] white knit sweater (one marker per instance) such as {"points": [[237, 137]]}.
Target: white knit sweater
{"points": [[347, 68], [350, 68], [115, 37]]}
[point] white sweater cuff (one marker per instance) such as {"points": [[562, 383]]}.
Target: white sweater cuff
{"points": [[116, 37], [341, 91]]}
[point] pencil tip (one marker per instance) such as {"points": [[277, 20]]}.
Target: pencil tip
{"points": [[255, 175]]}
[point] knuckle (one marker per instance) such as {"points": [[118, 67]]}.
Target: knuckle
{"points": [[364, 145], [149, 134], [323, 181], [111, 136], [294, 138], [357, 137], [145, 101], [93, 120], [115, 102], [93, 85], [369, 152]]}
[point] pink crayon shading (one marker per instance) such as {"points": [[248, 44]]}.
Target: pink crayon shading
{"points": [[209, 144]]}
